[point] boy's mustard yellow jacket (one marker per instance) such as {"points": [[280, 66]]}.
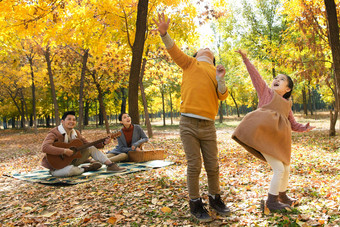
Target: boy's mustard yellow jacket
{"points": [[199, 93]]}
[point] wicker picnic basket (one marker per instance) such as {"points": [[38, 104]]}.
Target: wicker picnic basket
{"points": [[146, 154]]}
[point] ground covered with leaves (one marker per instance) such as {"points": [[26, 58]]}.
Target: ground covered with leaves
{"points": [[159, 197]]}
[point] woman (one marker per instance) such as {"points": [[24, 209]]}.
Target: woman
{"points": [[131, 139]]}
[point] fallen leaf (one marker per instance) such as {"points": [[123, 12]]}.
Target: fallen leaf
{"points": [[166, 210], [112, 220]]}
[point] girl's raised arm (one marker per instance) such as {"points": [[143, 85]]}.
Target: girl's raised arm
{"points": [[259, 84]]}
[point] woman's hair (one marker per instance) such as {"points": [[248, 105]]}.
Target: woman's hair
{"points": [[195, 54], [290, 85], [120, 116]]}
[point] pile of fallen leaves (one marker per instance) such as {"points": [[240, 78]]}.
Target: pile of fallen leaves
{"points": [[159, 197]]}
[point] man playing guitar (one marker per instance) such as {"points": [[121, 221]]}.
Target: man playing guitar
{"points": [[64, 134]]}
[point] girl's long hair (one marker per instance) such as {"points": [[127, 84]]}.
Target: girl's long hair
{"points": [[290, 85]]}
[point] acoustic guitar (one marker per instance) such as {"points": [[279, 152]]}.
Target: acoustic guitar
{"points": [[76, 145]]}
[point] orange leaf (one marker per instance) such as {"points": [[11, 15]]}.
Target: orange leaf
{"points": [[86, 219], [112, 220], [321, 222], [165, 209], [266, 210]]}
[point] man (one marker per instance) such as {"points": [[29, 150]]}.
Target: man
{"points": [[65, 133], [202, 86]]}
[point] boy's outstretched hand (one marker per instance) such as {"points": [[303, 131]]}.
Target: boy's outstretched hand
{"points": [[162, 24], [220, 71]]}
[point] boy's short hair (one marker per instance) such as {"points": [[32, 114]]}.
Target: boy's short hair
{"points": [[68, 113]]}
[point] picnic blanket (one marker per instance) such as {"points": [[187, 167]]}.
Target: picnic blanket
{"points": [[44, 177]]}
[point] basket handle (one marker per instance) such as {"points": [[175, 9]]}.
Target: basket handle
{"points": [[149, 144]]}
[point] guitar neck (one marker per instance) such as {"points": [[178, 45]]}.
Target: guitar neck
{"points": [[90, 144], [113, 136]]}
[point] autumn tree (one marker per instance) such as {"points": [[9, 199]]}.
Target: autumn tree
{"points": [[334, 42], [308, 50]]}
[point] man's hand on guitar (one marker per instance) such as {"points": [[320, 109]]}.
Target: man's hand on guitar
{"points": [[68, 152]]}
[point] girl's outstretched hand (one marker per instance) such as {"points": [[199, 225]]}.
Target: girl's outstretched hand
{"points": [[309, 128], [243, 54], [162, 24], [220, 71]]}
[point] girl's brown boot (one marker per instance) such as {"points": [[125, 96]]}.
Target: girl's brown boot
{"points": [[273, 203], [283, 198]]}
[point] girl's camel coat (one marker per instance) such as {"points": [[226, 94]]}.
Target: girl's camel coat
{"points": [[267, 130]]}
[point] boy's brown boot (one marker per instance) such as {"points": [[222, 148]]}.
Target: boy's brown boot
{"points": [[198, 210], [273, 203], [218, 205], [283, 198], [113, 167]]}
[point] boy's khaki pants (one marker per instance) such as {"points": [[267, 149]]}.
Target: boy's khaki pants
{"points": [[199, 140]]}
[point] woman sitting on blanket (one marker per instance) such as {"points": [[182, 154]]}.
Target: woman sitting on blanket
{"points": [[131, 139]]}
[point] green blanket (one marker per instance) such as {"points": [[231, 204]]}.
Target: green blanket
{"points": [[44, 177]]}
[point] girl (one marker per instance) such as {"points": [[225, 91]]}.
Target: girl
{"points": [[266, 132], [131, 139]]}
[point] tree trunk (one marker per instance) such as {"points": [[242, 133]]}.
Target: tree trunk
{"points": [[81, 89], [333, 119], [101, 102], [22, 111], [273, 69], [13, 122], [86, 114], [30, 59], [137, 54], [123, 106], [16, 103], [31, 120], [171, 110], [48, 121], [23, 120], [50, 75], [310, 101], [304, 100], [4, 122], [334, 41], [221, 112], [145, 104], [163, 106], [238, 112], [97, 115], [100, 116]]}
